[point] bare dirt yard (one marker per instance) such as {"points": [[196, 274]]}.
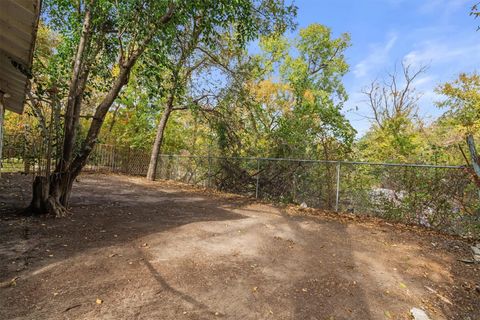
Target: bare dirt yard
{"points": [[134, 249]]}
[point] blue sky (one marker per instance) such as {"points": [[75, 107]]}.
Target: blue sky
{"points": [[437, 33]]}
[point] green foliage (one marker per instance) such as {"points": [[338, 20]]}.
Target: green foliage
{"points": [[299, 115], [462, 101], [398, 140]]}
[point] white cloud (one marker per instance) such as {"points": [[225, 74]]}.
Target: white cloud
{"points": [[378, 56], [424, 81], [446, 57], [443, 43], [436, 52]]}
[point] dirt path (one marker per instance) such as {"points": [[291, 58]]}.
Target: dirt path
{"points": [[166, 251]]}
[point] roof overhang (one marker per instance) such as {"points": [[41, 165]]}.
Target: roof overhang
{"points": [[18, 30]]}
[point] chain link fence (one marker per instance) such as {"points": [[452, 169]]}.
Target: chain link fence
{"points": [[438, 197], [22, 154]]}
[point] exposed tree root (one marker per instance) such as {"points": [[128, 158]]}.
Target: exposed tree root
{"points": [[55, 208], [46, 197]]}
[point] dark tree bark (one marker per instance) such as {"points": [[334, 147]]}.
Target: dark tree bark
{"points": [[75, 93], [475, 160], [1, 130], [51, 194], [152, 166], [187, 46]]}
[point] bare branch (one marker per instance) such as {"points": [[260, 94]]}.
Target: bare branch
{"points": [[394, 96]]}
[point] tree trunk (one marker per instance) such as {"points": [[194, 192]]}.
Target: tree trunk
{"points": [[152, 166], [50, 195], [76, 89], [473, 154], [40, 195], [2, 114], [475, 161]]}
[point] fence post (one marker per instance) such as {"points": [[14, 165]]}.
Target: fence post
{"points": [[127, 169], [209, 171], [114, 163], [337, 198], [258, 178], [160, 166], [177, 157], [294, 191]]}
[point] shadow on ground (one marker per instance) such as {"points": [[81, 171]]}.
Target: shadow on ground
{"points": [[161, 250]]}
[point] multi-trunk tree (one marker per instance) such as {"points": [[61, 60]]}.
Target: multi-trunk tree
{"points": [[102, 40]]}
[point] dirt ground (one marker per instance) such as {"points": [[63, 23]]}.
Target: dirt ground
{"points": [[134, 249]]}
